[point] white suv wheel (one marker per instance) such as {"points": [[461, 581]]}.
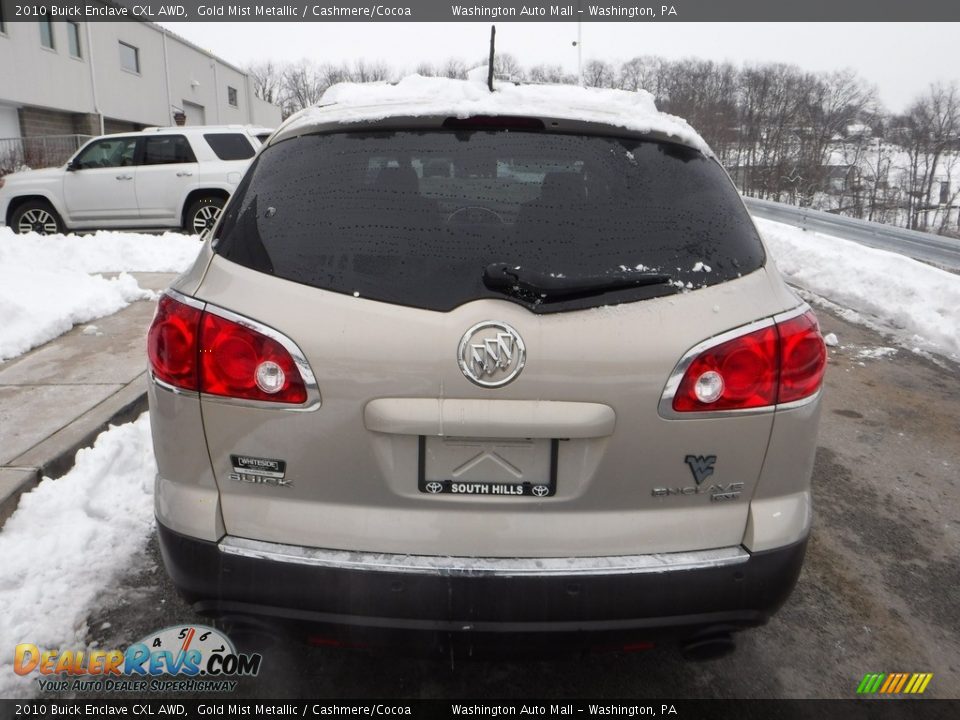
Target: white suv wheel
{"points": [[203, 215], [38, 219]]}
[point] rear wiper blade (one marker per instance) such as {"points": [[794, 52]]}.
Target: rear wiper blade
{"points": [[503, 277]]}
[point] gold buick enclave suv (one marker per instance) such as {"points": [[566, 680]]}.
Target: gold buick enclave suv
{"points": [[479, 363]]}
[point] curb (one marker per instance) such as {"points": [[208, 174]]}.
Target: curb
{"points": [[55, 456]]}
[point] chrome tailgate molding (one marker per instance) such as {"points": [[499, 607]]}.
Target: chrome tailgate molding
{"points": [[502, 567]]}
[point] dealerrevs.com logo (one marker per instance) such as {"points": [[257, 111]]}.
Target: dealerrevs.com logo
{"points": [[179, 658]]}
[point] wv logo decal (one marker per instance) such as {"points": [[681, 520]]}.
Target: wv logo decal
{"points": [[701, 466]]}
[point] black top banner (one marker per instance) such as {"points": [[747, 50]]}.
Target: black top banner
{"points": [[225, 707], [482, 11]]}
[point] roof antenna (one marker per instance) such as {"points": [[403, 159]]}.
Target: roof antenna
{"points": [[493, 35]]}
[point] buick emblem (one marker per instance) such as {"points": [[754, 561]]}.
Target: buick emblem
{"points": [[491, 354]]}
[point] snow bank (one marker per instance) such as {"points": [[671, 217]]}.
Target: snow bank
{"points": [[68, 542], [101, 252], [917, 303], [38, 304], [45, 288], [418, 96]]}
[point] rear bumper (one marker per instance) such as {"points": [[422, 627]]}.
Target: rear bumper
{"points": [[728, 587]]}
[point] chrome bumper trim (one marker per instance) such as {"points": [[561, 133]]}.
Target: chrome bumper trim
{"points": [[468, 566]]}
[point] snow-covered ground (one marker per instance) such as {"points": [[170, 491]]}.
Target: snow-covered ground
{"points": [[919, 305], [67, 543], [47, 285]]}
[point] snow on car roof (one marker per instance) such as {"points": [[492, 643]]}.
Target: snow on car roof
{"points": [[418, 96]]}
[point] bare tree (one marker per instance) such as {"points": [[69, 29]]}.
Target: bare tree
{"points": [[507, 67], [549, 74], [426, 69], [454, 68], [267, 81], [929, 129], [303, 86], [364, 71], [834, 101], [599, 73], [643, 73]]}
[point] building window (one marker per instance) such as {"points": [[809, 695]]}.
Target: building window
{"points": [[129, 58], [46, 33], [232, 96], [73, 38]]}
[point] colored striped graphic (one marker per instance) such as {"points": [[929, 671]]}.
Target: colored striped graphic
{"points": [[894, 683]]}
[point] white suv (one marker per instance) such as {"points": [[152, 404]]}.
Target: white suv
{"points": [[157, 178]]}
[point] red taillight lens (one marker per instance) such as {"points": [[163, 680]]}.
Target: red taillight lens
{"points": [[747, 366], [239, 362], [803, 358], [172, 343], [776, 364], [196, 350]]}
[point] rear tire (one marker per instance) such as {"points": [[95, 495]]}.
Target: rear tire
{"points": [[203, 214], [36, 216]]}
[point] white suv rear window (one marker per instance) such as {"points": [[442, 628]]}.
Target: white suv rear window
{"points": [[230, 146]]}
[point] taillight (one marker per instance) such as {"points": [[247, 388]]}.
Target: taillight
{"points": [[803, 358], [238, 362], [172, 343], [740, 373], [780, 363], [192, 349]]}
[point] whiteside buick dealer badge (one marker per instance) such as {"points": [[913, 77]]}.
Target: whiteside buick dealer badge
{"points": [[259, 471]]}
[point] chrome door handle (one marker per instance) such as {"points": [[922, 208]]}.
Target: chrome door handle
{"points": [[184, 174], [124, 177]]}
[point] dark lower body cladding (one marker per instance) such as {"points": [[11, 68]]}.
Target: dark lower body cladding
{"points": [[369, 604]]}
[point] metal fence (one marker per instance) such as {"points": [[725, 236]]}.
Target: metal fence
{"points": [[935, 249], [38, 152]]}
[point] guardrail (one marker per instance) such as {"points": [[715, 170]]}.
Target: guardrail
{"points": [[38, 152], [934, 249]]}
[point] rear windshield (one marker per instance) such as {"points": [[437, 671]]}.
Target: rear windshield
{"points": [[417, 218]]}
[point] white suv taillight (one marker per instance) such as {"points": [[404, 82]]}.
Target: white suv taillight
{"points": [[781, 362], [199, 350]]}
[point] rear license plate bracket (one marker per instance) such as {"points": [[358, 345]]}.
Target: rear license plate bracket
{"points": [[538, 488]]}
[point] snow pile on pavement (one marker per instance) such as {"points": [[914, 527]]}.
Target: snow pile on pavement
{"points": [[418, 96], [39, 304], [102, 252], [875, 353], [68, 542], [45, 288], [917, 303]]}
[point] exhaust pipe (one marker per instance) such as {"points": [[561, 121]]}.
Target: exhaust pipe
{"points": [[708, 646]]}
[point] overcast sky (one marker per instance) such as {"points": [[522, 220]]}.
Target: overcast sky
{"points": [[900, 59]]}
